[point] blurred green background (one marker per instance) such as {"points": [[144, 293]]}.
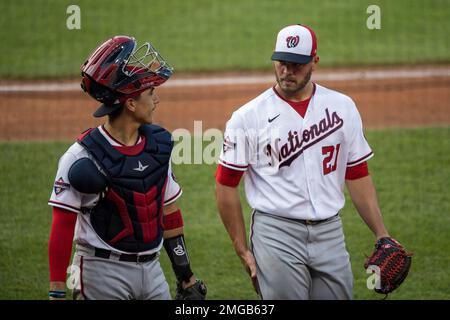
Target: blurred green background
{"points": [[410, 169], [204, 35]]}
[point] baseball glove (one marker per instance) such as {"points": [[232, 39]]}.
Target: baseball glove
{"points": [[194, 292], [392, 262]]}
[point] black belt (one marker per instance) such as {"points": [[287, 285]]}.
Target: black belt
{"points": [[106, 254], [314, 222]]}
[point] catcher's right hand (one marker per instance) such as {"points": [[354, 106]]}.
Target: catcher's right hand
{"points": [[194, 292], [392, 262]]}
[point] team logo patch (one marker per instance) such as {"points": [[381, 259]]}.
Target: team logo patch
{"points": [[292, 42], [178, 250], [227, 144], [60, 186]]}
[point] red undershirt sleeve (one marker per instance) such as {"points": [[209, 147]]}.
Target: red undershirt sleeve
{"points": [[60, 243], [228, 177], [231, 178], [359, 171]]}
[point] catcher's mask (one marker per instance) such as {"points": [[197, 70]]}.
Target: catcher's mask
{"points": [[118, 70]]}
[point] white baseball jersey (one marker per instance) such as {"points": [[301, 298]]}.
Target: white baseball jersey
{"points": [[295, 167], [66, 197]]}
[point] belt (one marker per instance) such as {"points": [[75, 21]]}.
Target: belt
{"points": [[106, 254], [314, 222]]}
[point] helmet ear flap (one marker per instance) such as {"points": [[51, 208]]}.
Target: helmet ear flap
{"points": [[98, 91]]}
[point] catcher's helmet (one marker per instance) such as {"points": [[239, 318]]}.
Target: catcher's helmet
{"points": [[117, 70]]}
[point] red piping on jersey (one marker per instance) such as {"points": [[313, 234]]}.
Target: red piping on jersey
{"points": [[362, 158], [84, 134], [176, 195], [115, 140], [233, 165]]}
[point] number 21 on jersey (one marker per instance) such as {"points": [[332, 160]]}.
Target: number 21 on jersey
{"points": [[331, 154]]}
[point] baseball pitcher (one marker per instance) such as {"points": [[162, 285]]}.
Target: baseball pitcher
{"points": [[296, 145]]}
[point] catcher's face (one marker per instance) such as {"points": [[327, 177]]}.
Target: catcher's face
{"points": [[293, 77], [146, 105]]}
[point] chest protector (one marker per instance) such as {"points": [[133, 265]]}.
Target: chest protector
{"points": [[129, 215]]}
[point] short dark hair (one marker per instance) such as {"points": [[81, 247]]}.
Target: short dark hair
{"points": [[113, 115]]}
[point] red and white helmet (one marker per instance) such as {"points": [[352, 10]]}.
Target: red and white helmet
{"points": [[118, 69]]}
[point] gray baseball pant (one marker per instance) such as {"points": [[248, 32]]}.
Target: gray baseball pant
{"points": [[299, 261], [111, 279]]}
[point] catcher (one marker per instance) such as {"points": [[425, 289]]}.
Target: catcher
{"points": [[115, 193]]}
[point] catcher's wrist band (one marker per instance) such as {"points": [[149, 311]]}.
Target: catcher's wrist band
{"points": [[57, 294], [173, 220], [176, 250]]}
